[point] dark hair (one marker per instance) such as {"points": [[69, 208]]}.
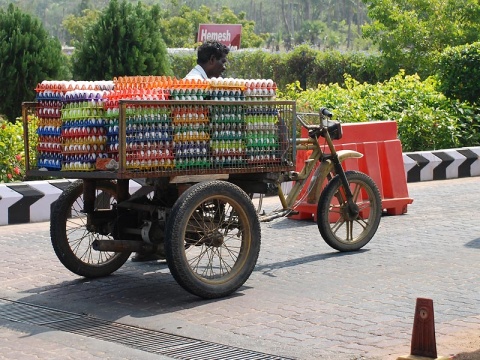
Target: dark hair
{"points": [[209, 48]]}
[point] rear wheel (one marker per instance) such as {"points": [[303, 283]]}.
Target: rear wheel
{"points": [[212, 239], [339, 227], [71, 238]]}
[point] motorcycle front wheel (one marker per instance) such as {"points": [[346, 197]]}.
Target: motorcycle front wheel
{"points": [[339, 227]]}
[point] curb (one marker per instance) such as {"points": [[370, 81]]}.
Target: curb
{"points": [[31, 201], [442, 164]]}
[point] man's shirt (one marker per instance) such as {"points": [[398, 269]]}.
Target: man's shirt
{"points": [[197, 73]]}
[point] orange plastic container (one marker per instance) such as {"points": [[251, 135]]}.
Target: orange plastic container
{"points": [[382, 161]]}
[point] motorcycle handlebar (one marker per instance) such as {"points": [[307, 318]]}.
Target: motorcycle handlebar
{"points": [[323, 112], [326, 112]]}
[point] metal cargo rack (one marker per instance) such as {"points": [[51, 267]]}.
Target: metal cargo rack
{"points": [[152, 139]]}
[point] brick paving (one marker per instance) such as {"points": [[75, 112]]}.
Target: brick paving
{"points": [[303, 301]]}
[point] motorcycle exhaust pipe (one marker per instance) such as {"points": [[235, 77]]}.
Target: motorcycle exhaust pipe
{"points": [[124, 246]]}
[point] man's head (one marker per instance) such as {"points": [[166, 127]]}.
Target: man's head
{"points": [[212, 57]]}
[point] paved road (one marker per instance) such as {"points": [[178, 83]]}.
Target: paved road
{"points": [[303, 301]]}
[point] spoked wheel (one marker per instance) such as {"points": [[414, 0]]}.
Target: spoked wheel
{"points": [[341, 228], [212, 239], [71, 238]]}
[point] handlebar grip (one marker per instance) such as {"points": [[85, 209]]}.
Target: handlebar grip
{"points": [[326, 112]]}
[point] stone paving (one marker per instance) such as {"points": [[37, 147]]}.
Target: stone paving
{"points": [[303, 301]]}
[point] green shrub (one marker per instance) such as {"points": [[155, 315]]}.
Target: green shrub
{"points": [[426, 119], [182, 62], [458, 71], [12, 150], [310, 67], [299, 64], [256, 64]]}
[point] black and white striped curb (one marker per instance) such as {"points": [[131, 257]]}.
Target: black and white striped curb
{"points": [[31, 201], [442, 164]]}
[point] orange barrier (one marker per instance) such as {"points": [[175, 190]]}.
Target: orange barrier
{"points": [[382, 161]]}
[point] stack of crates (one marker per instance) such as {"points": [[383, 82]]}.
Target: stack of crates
{"points": [[79, 124], [149, 136], [48, 111], [228, 131], [263, 136], [148, 139], [191, 138], [83, 126]]}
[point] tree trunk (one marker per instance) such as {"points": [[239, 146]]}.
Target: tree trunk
{"points": [[307, 10], [285, 19], [349, 14], [360, 18]]}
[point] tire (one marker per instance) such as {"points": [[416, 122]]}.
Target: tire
{"points": [[71, 239], [212, 239], [346, 232]]}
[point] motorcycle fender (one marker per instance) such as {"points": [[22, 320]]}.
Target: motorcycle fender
{"points": [[348, 154], [324, 169], [327, 166]]}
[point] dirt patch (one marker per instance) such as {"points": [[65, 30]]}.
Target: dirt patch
{"points": [[464, 346], [468, 356]]}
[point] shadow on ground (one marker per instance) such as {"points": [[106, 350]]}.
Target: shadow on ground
{"points": [[476, 245], [468, 356]]}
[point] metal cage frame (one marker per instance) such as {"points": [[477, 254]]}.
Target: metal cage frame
{"points": [[284, 110]]}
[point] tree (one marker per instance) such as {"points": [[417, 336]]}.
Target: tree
{"points": [[458, 70], [249, 38], [180, 24], [411, 33], [77, 25], [311, 33], [285, 16], [84, 5], [125, 41], [29, 55]]}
